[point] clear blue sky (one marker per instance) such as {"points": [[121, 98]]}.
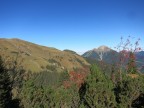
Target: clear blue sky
{"points": [[78, 25]]}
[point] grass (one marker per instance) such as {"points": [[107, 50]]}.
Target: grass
{"points": [[35, 56]]}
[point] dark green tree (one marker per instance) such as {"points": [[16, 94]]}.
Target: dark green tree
{"points": [[5, 87], [64, 76], [128, 90], [99, 90]]}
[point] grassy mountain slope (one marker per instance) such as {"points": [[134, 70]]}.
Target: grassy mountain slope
{"points": [[37, 58]]}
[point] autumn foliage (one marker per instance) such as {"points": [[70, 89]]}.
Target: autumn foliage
{"points": [[76, 78]]}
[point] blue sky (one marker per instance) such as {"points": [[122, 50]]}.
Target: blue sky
{"points": [[79, 25]]}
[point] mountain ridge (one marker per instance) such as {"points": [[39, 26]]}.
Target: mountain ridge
{"points": [[111, 56], [100, 53], [37, 57]]}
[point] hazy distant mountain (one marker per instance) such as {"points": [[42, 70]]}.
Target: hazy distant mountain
{"points": [[110, 56], [102, 53], [140, 58], [70, 51], [37, 58], [140, 54]]}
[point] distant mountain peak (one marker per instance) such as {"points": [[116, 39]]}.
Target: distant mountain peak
{"points": [[102, 48], [101, 53]]}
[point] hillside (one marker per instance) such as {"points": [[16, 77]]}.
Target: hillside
{"points": [[102, 53], [36, 58], [110, 56]]}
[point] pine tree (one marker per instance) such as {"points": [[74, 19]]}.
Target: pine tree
{"points": [[64, 76], [99, 90], [5, 87], [128, 90]]}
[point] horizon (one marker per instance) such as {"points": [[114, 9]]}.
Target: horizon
{"points": [[78, 25], [80, 53]]}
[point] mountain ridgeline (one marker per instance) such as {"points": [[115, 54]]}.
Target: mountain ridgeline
{"points": [[102, 53], [37, 58], [110, 56]]}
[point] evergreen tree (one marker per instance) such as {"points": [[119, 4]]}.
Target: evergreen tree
{"points": [[64, 76], [99, 90], [5, 87], [128, 90]]}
